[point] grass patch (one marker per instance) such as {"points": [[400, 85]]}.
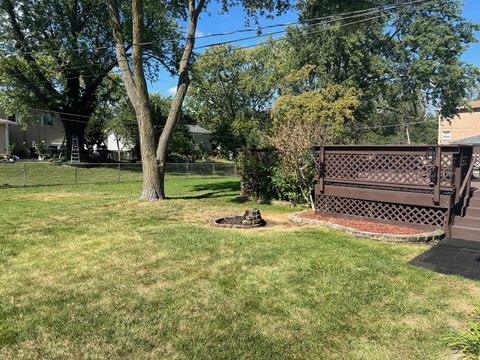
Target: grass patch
{"points": [[89, 271], [467, 342]]}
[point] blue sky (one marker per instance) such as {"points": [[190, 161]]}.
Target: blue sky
{"points": [[235, 19]]}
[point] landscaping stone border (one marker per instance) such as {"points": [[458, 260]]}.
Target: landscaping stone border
{"points": [[415, 238]]}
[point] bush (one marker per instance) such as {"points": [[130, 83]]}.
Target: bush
{"points": [[315, 117], [256, 168], [287, 184], [468, 342]]}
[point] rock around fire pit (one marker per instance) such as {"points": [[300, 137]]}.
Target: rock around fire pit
{"points": [[251, 219]]}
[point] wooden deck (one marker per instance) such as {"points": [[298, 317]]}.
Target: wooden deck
{"points": [[424, 186]]}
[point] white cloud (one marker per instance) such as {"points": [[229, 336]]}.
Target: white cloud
{"points": [[199, 33], [172, 91]]}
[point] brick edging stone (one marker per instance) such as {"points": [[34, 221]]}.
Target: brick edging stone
{"points": [[422, 237]]}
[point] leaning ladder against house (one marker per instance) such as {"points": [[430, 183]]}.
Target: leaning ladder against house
{"points": [[75, 155]]}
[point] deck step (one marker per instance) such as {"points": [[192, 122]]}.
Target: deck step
{"points": [[465, 233], [469, 221], [473, 211], [474, 202]]}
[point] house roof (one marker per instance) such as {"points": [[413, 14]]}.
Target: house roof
{"points": [[474, 140], [475, 104], [195, 129]]}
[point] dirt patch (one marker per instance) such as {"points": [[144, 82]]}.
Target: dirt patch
{"points": [[363, 225]]}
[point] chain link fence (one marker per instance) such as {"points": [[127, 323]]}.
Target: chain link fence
{"points": [[45, 173]]}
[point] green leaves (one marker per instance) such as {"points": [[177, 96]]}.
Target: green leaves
{"points": [[406, 59], [325, 116], [231, 91]]}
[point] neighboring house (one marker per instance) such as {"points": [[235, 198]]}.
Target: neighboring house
{"points": [[44, 127], [464, 125], [201, 137], [6, 124], [115, 143]]}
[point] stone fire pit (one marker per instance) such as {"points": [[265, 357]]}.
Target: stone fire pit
{"points": [[251, 219]]}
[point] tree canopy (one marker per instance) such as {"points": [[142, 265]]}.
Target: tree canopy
{"points": [[232, 92], [407, 55], [55, 55]]}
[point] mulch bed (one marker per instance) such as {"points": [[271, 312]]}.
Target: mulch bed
{"points": [[362, 225]]}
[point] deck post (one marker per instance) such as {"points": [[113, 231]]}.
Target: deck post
{"points": [[438, 175], [458, 175], [321, 170]]}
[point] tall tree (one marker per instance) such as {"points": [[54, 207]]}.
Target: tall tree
{"points": [[154, 160], [407, 57], [232, 91], [55, 54]]}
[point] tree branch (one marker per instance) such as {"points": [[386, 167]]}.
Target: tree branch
{"points": [[22, 47], [122, 58]]}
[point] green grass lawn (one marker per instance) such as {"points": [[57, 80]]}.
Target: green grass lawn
{"points": [[90, 272]]}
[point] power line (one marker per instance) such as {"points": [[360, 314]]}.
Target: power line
{"points": [[209, 45], [335, 17], [283, 39], [370, 12], [119, 71], [354, 14], [357, 128]]}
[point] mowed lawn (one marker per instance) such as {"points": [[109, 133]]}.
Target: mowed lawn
{"points": [[91, 272]]}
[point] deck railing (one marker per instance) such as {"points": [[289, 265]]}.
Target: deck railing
{"points": [[414, 184]]}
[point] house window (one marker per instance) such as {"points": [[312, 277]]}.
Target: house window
{"points": [[47, 120], [446, 135]]}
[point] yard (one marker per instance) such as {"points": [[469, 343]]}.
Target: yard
{"points": [[89, 271]]}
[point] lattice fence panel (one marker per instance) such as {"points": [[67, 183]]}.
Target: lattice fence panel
{"points": [[447, 176], [379, 210], [407, 168]]}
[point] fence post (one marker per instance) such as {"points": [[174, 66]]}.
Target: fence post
{"points": [[187, 168], [213, 169], [118, 172], [76, 174], [24, 174]]}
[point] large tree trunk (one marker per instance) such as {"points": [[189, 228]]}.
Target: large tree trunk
{"points": [[136, 87], [134, 78], [152, 189], [182, 87]]}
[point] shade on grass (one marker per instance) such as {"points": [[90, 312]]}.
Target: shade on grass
{"points": [[89, 271]]}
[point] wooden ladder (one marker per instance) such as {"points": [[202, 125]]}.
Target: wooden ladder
{"points": [[75, 155]]}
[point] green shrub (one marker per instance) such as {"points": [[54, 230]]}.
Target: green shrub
{"points": [[256, 168], [468, 342], [287, 184]]}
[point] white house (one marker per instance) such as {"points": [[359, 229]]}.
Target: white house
{"points": [[201, 137]]}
